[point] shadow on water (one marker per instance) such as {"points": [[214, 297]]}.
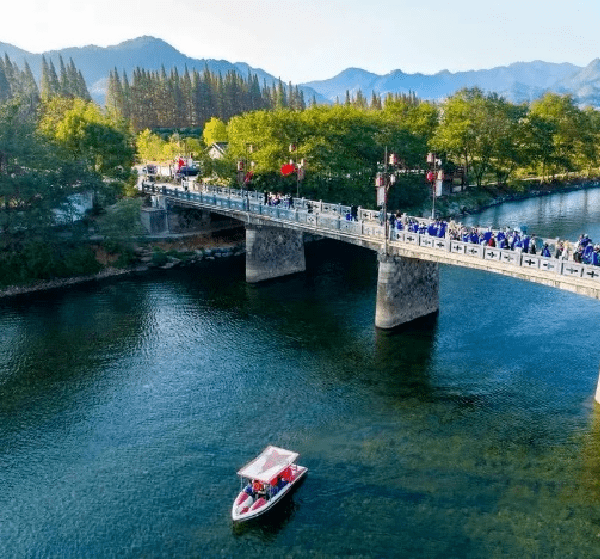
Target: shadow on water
{"points": [[405, 354], [328, 313]]}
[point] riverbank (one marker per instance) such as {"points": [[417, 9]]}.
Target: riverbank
{"points": [[163, 255]]}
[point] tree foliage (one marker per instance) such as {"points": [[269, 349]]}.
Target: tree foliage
{"points": [[86, 136], [52, 149], [487, 135], [214, 131], [341, 144], [68, 82], [157, 99]]}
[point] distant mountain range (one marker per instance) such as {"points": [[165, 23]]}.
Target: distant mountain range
{"points": [[149, 53], [518, 82], [521, 81]]}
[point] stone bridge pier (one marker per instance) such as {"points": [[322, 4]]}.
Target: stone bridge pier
{"points": [[407, 289], [272, 252]]}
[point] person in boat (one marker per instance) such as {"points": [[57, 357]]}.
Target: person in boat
{"points": [[258, 489]]}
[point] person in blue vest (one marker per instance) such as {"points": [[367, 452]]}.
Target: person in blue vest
{"points": [[515, 241], [546, 251]]}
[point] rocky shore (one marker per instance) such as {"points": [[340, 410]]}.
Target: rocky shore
{"points": [[146, 261]]}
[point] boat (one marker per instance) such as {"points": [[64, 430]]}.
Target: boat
{"points": [[265, 481]]}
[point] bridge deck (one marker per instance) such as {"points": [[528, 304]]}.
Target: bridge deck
{"points": [[328, 221]]}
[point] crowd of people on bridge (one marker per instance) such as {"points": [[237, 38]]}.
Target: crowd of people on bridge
{"points": [[584, 251]]}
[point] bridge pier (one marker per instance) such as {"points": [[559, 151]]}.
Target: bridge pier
{"points": [[272, 252], [407, 289]]}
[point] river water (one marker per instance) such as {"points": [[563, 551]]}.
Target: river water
{"points": [[127, 407]]}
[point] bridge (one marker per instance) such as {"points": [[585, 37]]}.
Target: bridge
{"points": [[408, 274]]}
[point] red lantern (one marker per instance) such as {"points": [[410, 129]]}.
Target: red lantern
{"points": [[288, 169]]}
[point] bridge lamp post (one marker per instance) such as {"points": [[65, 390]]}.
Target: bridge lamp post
{"points": [[245, 169], [383, 180], [300, 167], [432, 176]]}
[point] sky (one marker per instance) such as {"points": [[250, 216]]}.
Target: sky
{"points": [[305, 40]]}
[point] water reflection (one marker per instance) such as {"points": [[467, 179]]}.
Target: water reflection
{"points": [[566, 215]]}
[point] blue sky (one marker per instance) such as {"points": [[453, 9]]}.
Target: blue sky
{"points": [[303, 40]]}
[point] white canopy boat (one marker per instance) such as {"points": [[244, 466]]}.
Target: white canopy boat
{"points": [[265, 481]]}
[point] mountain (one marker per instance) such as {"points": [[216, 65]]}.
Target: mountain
{"points": [[521, 81], [149, 53], [517, 82], [584, 85]]}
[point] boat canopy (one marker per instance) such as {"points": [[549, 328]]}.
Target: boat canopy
{"points": [[269, 464]]}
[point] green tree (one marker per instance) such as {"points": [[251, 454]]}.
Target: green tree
{"points": [[474, 129], [215, 130], [566, 130], [86, 137]]}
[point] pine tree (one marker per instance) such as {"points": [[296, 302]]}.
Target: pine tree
{"points": [[53, 80], [30, 89], [46, 86], [65, 89], [126, 114], [375, 101], [281, 101], [9, 72], [5, 92]]}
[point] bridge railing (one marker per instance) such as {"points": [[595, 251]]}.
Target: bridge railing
{"points": [[334, 219]]}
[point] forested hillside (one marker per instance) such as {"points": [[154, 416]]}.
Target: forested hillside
{"points": [[20, 83], [155, 99]]}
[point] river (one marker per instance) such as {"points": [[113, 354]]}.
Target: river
{"points": [[126, 408]]}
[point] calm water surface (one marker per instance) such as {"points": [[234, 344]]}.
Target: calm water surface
{"points": [[126, 408]]}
